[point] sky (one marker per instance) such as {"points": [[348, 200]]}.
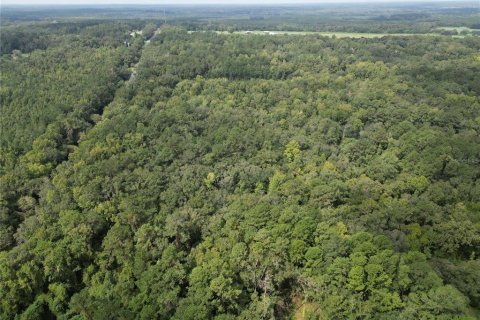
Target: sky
{"points": [[160, 2]]}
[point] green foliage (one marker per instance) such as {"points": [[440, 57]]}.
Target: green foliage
{"points": [[237, 175]]}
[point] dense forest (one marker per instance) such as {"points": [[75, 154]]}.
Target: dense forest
{"points": [[151, 172]]}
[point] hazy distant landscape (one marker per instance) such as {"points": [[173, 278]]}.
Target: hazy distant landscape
{"points": [[277, 161]]}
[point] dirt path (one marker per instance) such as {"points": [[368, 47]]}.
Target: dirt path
{"points": [[133, 75]]}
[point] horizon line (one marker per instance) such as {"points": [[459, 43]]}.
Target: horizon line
{"points": [[230, 3]]}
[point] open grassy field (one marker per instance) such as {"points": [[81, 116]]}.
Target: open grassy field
{"points": [[327, 34], [355, 35]]}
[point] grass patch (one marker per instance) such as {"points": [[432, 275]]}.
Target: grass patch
{"points": [[355, 35]]}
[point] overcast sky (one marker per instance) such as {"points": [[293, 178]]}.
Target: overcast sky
{"points": [[159, 2]]}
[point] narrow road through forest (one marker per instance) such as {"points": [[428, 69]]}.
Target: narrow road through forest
{"points": [[133, 75]]}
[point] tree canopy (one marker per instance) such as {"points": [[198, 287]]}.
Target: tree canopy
{"points": [[240, 176]]}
